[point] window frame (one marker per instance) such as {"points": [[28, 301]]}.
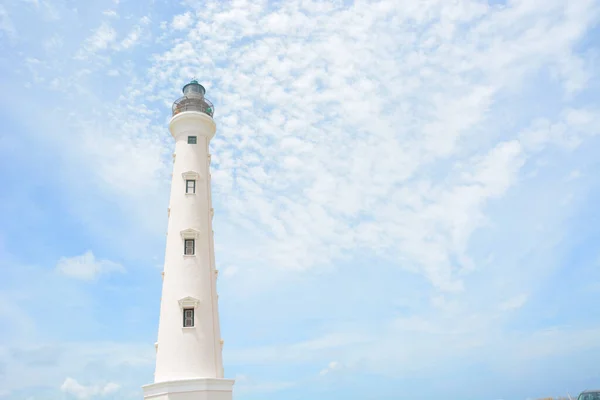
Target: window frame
{"points": [[187, 187], [192, 318], [192, 140], [185, 247]]}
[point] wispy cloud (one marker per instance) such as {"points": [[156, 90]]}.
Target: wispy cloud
{"points": [[81, 392], [86, 267], [309, 180], [514, 303], [399, 176], [7, 27], [132, 38], [110, 13], [332, 366], [101, 38], [106, 39], [53, 43]]}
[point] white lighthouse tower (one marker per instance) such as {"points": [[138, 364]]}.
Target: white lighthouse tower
{"points": [[189, 365]]}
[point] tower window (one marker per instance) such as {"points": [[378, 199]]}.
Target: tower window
{"points": [[188, 317], [190, 248], [190, 186], [192, 139]]}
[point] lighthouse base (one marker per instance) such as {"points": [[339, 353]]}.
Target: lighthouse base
{"points": [[190, 389]]}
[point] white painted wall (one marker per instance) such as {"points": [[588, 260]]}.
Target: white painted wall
{"points": [[199, 395], [195, 389], [189, 353]]}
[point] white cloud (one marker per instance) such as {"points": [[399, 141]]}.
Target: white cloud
{"points": [[105, 38], [514, 303], [110, 13], [182, 21], [421, 344], [6, 25], [332, 366], [42, 363], [343, 162], [82, 392], [53, 43], [380, 138], [568, 131], [86, 267], [101, 39], [132, 38]]}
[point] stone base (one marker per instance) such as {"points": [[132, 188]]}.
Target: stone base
{"points": [[190, 389]]}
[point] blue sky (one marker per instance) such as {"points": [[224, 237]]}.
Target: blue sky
{"points": [[405, 194]]}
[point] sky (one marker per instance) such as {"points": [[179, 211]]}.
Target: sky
{"points": [[405, 194]]}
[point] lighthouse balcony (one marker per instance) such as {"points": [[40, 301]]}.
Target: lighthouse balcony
{"points": [[193, 102]]}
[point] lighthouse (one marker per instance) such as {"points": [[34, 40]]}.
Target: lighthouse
{"points": [[189, 364]]}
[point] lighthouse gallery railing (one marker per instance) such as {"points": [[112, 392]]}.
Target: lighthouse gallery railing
{"points": [[193, 103]]}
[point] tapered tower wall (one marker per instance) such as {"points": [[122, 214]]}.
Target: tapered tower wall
{"points": [[189, 361]]}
